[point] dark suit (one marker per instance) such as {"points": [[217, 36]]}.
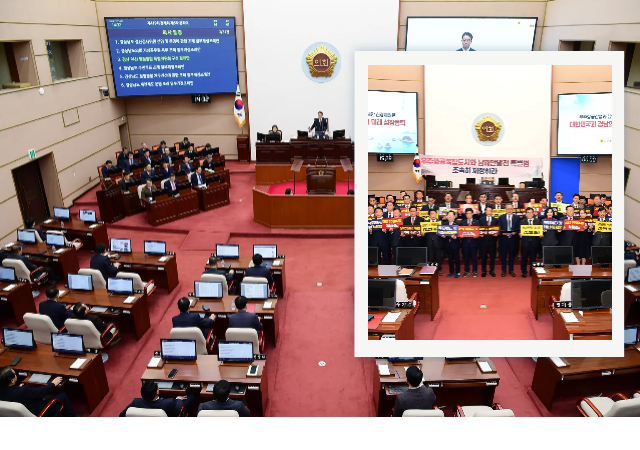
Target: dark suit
{"points": [[170, 189], [97, 322], [105, 172], [31, 266], [188, 320], [529, 246], [243, 319], [184, 146], [517, 205], [167, 158], [147, 194], [413, 241], [122, 158], [197, 179], [508, 242], [320, 126], [568, 237], [160, 150], [469, 247], [146, 175], [209, 165], [601, 239], [187, 168], [164, 173], [214, 271], [229, 405], [487, 244], [260, 272], [171, 406], [434, 244], [56, 311], [481, 208], [429, 207], [461, 49], [36, 398], [128, 164], [145, 160], [104, 265], [452, 244], [419, 398], [394, 240]]}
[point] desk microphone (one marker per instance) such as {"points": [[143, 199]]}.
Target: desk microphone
{"points": [[326, 163], [317, 160]]}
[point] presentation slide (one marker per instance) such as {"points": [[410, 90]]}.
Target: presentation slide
{"points": [[173, 56], [585, 124], [393, 122], [483, 33]]}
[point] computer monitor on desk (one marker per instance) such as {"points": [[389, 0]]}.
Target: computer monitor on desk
{"points": [[382, 294], [55, 239], [61, 213], [78, 282], [26, 236], [631, 335], [557, 255], [273, 137], [373, 256], [239, 352], [120, 245], [411, 256], [338, 134], [18, 339], [591, 294], [255, 291], [178, 349], [7, 274], [601, 256], [303, 134], [207, 289], [88, 215], [120, 286], [231, 251], [71, 344], [267, 251], [155, 248]]}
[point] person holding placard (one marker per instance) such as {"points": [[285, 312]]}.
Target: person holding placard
{"points": [[529, 244], [576, 202], [568, 237], [509, 230], [419, 196], [407, 202], [487, 243], [470, 244], [515, 201], [433, 242], [601, 238], [388, 213], [482, 205], [413, 220], [549, 237], [468, 200], [582, 245], [497, 204], [452, 244], [394, 235], [431, 205], [380, 237], [447, 201]]}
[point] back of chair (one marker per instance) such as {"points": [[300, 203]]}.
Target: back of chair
{"points": [[495, 413], [565, 292], [163, 183], [423, 413], [255, 280], [218, 413], [42, 327], [625, 408], [144, 412], [140, 190], [96, 276], [89, 332], [20, 268], [192, 333], [138, 284], [11, 409], [628, 264], [401, 292], [244, 335], [218, 279]]}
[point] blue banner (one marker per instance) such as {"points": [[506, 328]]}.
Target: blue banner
{"points": [[552, 225], [447, 230]]}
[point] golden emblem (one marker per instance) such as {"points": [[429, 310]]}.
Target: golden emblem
{"points": [[320, 172], [321, 62], [488, 129]]}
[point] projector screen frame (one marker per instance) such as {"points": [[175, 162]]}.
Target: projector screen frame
{"points": [[235, 46], [417, 123], [558, 126], [406, 36]]}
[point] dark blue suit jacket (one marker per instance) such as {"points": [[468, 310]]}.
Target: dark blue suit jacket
{"points": [[187, 320], [194, 179], [261, 272], [144, 160], [453, 244], [515, 223], [104, 265], [105, 172], [167, 159], [187, 168], [145, 175], [31, 397], [469, 242], [320, 124], [30, 266], [56, 311], [234, 405], [243, 319], [208, 165], [165, 173], [171, 406]]}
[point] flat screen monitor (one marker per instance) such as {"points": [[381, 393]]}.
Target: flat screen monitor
{"points": [[373, 256], [633, 275], [61, 213], [557, 255], [630, 335], [7, 274], [55, 239], [591, 294], [227, 250], [585, 124], [471, 33], [67, 343], [411, 256], [122, 286], [17, 338], [88, 215], [78, 282], [27, 236], [392, 120], [120, 245], [601, 255], [255, 291], [173, 55], [382, 294], [267, 251], [155, 247], [338, 134], [207, 289], [273, 137], [178, 349], [230, 351]]}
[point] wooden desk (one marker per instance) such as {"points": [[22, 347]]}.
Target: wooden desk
{"points": [[62, 263], [78, 229], [268, 174], [402, 328], [586, 376], [307, 149], [459, 383], [164, 274], [135, 314], [215, 196], [19, 298], [167, 209], [632, 306], [111, 203], [426, 286], [207, 369], [91, 379], [222, 309], [592, 325], [241, 264], [544, 285]]}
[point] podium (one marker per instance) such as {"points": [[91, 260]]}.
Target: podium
{"points": [[321, 180], [110, 202]]}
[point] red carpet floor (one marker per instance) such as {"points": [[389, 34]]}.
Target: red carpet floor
{"points": [[301, 188]]}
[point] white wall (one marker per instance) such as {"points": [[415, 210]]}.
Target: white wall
{"points": [[277, 32], [519, 95]]}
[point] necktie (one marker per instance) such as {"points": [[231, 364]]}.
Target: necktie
{"points": [[508, 223], [530, 222], [173, 186], [412, 220], [469, 221]]}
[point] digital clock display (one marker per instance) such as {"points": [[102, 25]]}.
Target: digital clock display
{"points": [[382, 157], [589, 159]]}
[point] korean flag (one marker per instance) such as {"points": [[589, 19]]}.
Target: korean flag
{"points": [[417, 171], [238, 109]]}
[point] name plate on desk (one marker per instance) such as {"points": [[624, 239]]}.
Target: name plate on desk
{"points": [[253, 387], [4, 299], [55, 259], [561, 305], [89, 234], [404, 305], [126, 265], [434, 385], [492, 383], [160, 268], [223, 316], [240, 272], [277, 272], [269, 317]]}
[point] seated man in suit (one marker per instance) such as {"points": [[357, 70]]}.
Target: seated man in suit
{"points": [[185, 144], [166, 157], [166, 170], [186, 319], [213, 270], [244, 319], [207, 148], [33, 398], [29, 225], [122, 157], [16, 253], [258, 271], [100, 261], [186, 166], [143, 149], [417, 397], [123, 182], [467, 39], [160, 149], [106, 169], [208, 163], [145, 158], [81, 312], [197, 178], [221, 392], [57, 312], [151, 399], [148, 172], [171, 186], [147, 192]]}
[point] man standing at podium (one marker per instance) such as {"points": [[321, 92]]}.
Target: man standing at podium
{"points": [[321, 126]]}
